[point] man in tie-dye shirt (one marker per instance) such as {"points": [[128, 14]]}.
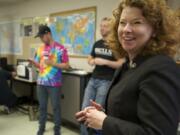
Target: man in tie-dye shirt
{"points": [[50, 58]]}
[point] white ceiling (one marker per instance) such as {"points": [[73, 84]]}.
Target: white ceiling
{"points": [[10, 2]]}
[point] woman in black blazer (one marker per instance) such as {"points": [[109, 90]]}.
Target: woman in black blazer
{"points": [[144, 97]]}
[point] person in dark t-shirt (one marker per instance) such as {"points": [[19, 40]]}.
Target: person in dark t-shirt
{"points": [[105, 64], [99, 52], [7, 97]]}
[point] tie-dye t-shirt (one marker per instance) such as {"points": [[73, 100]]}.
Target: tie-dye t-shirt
{"points": [[49, 75]]}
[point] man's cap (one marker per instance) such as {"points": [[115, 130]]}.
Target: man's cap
{"points": [[43, 29]]}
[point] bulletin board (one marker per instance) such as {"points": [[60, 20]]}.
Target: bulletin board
{"points": [[10, 40], [75, 30]]}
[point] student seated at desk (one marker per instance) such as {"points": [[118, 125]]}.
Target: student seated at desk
{"points": [[7, 97]]}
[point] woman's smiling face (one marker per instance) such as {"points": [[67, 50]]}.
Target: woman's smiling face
{"points": [[134, 31]]}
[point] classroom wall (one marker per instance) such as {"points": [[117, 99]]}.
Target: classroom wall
{"points": [[34, 8], [5, 13]]}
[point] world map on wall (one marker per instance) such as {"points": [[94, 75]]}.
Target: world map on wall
{"points": [[10, 42], [76, 32]]}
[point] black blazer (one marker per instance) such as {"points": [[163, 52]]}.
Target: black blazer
{"points": [[144, 98]]}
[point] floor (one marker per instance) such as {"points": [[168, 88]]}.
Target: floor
{"points": [[18, 123]]}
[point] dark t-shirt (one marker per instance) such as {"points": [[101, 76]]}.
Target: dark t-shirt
{"points": [[7, 97], [101, 50]]}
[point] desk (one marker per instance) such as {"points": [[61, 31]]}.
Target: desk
{"points": [[32, 84], [72, 92]]}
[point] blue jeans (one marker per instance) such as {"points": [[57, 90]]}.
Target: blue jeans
{"points": [[96, 90], [43, 92]]}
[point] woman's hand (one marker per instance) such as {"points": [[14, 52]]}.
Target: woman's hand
{"points": [[81, 116], [97, 106], [92, 116], [95, 118]]}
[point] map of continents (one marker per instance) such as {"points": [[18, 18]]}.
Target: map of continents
{"points": [[76, 32]]}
